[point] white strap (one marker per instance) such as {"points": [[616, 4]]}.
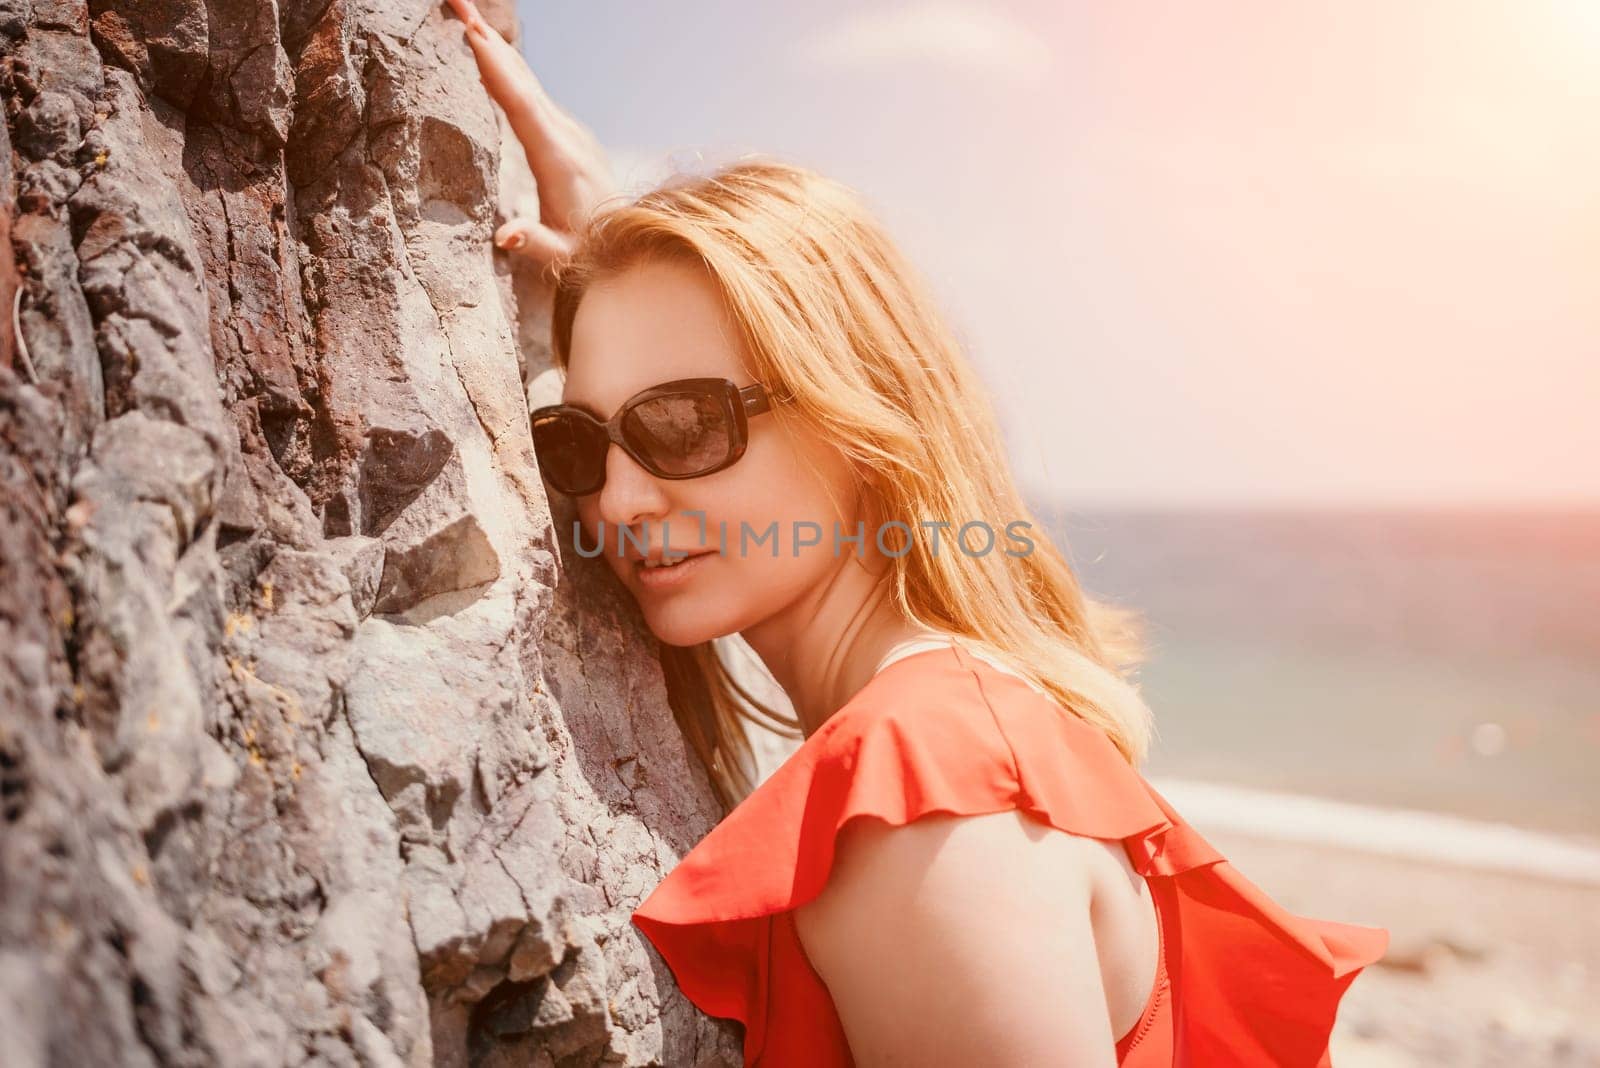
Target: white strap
{"points": [[910, 646], [917, 645]]}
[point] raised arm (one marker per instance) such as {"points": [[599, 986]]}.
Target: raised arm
{"points": [[958, 941], [568, 163]]}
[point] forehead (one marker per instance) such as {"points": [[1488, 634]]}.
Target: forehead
{"points": [[652, 323]]}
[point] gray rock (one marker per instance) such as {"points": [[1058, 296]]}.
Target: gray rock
{"points": [[314, 745]]}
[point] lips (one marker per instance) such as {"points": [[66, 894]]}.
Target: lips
{"points": [[660, 581], [658, 557]]}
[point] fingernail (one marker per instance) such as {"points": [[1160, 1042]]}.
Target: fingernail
{"points": [[509, 241]]}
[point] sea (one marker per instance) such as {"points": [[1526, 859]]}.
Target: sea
{"points": [[1416, 661]]}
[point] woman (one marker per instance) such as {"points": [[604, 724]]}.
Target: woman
{"points": [[776, 379]]}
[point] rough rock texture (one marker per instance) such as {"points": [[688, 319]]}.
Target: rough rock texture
{"points": [[317, 744]]}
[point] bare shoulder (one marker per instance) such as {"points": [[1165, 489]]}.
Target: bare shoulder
{"points": [[871, 854], [960, 940]]}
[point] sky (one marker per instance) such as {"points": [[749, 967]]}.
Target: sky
{"points": [[1272, 253]]}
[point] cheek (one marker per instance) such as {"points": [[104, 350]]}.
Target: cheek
{"points": [[783, 500], [587, 513], [749, 581], [770, 491]]}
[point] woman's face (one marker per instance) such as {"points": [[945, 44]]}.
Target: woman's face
{"points": [[661, 321]]}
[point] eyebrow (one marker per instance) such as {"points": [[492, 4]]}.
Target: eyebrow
{"points": [[602, 417], [581, 406]]}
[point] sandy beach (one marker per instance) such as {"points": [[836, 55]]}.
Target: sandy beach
{"points": [[1484, 968]]}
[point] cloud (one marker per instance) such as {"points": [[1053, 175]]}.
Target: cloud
{"points": [[964, 37]]}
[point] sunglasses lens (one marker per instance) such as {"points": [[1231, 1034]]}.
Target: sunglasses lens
{"points": [[681, 433], [571, 451]]}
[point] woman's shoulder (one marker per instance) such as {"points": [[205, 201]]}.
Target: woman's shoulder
{"points": [[943, 732], [962, 723], [950, 698], [940, 731], [924, 736], [927, 712]]}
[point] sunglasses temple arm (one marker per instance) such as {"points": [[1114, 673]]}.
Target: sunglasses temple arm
{"points": [[755, 399]]}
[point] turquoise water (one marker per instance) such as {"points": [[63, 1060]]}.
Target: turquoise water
{"points": [[1443, 661]]}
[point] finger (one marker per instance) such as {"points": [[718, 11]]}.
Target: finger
{"points": [[511, 83], [534, 240], [468, 13], [550, 138]]}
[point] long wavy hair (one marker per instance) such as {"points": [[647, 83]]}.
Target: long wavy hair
{"points": [[832, 315]]}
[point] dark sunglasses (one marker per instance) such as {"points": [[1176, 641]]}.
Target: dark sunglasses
{"points": [[681, 429]]}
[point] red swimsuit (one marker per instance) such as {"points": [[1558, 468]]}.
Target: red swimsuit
{"points": [[1241, 981]]}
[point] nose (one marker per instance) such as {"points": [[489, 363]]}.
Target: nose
{"points": [[631, 493]]}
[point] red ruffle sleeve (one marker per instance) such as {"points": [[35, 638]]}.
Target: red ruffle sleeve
{"points": [[943, 731]]}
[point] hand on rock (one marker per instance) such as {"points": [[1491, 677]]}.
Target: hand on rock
{"points": [[568, 163]]}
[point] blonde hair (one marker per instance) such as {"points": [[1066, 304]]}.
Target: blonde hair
{"points": [[832, 316]]}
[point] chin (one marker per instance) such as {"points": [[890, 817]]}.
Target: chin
{"points": [[689, 620]]}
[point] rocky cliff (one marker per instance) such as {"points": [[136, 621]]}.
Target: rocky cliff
{"points": [[318, 745]]}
